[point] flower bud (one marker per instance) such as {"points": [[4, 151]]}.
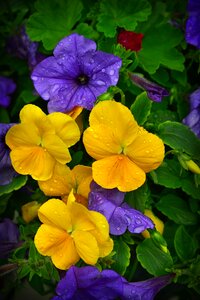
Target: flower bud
{"points": [[30, 211]]}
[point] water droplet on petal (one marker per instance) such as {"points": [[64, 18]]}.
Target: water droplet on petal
{"points": [[35, 78], [112, 72], [103, 70], [118, 228], [100, 82]]}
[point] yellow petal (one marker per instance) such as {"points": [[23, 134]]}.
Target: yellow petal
{"points": [[86, 246], [54, 212], [65, 127], [33, 114], [83, 177], [105, 248], [101, 230], [116, 116], [118, 172], [75, 112], [80, 217], [34, 161], [100, 141], [147, 151], [51, 241], [30, 211], [22, 135], [60, 183], [56, 147]]}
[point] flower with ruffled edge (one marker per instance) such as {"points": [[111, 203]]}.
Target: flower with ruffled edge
{"points": [[130, 40], [192, 120], [7, 173], [7, 87], [192, 32], [154, 91], [123, 150], [70, 232], [40, 141], [91, 284], [64, 180], [76, 75], [119, 214]]}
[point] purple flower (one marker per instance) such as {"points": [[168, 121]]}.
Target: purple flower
{"points": [[22, 47], [6, 170], [9, 237], [89, 283], [192, 120], [192, 34], [154, 91], [76, 75], [119, 215], [7, 87]]}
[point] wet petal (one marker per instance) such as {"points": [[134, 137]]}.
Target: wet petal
{"points": [[147, 151], [83, 178], [118, 171]]}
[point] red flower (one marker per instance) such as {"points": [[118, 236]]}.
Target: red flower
{"points": [[130, 40]]}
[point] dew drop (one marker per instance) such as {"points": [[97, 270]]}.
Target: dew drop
{"points": [[51, 189], [55, 181], [20, 168], [35, 78], [112, 72], [100, 82], [103, 70], [118, 228], [147, 151]]}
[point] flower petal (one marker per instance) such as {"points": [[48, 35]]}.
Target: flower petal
{"points": [[54, 212], [86, 246], [118, 171], [83, 178], [100, 141], [60, 183], [32, 160], [81, 217], [65, 127], [146, 151], [116, 116]]}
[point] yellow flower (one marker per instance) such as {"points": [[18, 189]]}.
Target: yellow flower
{"points": [[64, 180], [40, 141], [30, 211], [70, 232], [123, 150], [159, 225]]}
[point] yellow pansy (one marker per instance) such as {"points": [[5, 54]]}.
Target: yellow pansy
{"points": [[30, 211], [159, 225], [40, 141], [123, 150], [70, 232], [64, 180]]}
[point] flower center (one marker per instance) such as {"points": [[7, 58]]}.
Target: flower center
{"points": [[83, 79]]}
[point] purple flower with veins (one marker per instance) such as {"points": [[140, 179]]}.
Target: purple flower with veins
{"points": [[76, 75], [91, 284], [7, 87], [6, 170], [154, 91], [192, 120], [9, 237], [192, 32], [119, 214]]}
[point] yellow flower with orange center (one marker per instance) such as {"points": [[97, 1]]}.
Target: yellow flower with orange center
{"points": [[64, 180], [40, 141], [123, 150], [70, 232]]}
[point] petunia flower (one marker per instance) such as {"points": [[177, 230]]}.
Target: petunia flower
{"points": [[123, 150], [192, 31], [130, 40], [91, 284], [64, 180], [119, 214], [70, 232], [154, 91], [7, 173], [76, 75], [40, 141], [9, 237], [7, 87], [192, 120]]}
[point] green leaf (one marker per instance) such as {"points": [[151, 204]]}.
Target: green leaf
{"points": [[168, 174], [156, 51], [152, 258], [176, 209], [189, 187], [3, 202], [87, 31], [122, 256], [141, 108], [16, 184], [114, 13], [27, 96], [184, 244], [138, 198], [53, 20], [179, 137]]}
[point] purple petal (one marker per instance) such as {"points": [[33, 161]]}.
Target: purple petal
{"points": [[192, 120], [192, 34], [195, 99], [7, 87], [145, 290], [9, 236], [74, 44], [193, 7]]}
